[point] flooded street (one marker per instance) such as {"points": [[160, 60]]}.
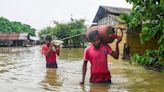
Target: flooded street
{"points": [[23, 70]]}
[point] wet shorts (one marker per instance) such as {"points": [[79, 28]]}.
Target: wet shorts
{"points": [[100, 78], [51, 65], [108, 81]]}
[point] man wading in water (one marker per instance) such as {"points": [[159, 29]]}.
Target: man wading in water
{"points": [[50, 50], [96, 53]]}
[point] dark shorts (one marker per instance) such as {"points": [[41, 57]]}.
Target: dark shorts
{"points": [[100, 78], [108, 81], [104, 82], [51, 65]]}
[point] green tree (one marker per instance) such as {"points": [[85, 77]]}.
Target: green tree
{"points": [[44, 32], [63, 30], [149, 15], [8, 26]]}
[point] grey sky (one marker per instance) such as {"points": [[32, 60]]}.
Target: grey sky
{"points": [[40, 13]]}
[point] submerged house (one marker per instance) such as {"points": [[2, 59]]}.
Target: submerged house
{"points": [[110, 16], [34, 40], [13, 39]]}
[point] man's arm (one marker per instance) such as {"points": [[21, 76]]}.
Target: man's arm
{"points": [[84, 70], [115, 54], [49, 48], [57, 50]]}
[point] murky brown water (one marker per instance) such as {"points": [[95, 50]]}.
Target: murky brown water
{"points": [[23, 70]]}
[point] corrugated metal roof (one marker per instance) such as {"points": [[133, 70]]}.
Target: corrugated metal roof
{"points": [[34, 38], [9, 36], [103, 10], [13, 36], [116, 9], [23, 36]]}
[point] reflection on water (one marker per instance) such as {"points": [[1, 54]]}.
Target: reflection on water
{"points": [[96, 88], [23, 70], [51, 80], [76, 53]]}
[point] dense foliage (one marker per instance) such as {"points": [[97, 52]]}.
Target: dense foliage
{"points": [[8, 26], [149, 15], [63, 30]]}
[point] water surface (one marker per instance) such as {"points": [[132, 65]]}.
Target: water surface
{"points": [[23, 70]]}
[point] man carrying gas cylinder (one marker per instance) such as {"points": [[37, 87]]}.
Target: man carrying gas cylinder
{"points": [[96, 53]]}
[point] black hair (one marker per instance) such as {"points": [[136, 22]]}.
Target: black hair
{"points": [[111, 30], [92, 35], [48, 38]]}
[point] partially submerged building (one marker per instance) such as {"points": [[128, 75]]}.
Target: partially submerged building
{"points": [[13, 39], [34, 40]]}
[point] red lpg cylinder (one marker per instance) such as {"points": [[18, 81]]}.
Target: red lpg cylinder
{"points": [[107, 33]]}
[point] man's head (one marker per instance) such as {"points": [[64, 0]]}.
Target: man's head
{"points": [[48, 39], [94, 38]]}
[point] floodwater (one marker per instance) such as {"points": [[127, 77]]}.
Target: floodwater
{"points": [[23, 70]]}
